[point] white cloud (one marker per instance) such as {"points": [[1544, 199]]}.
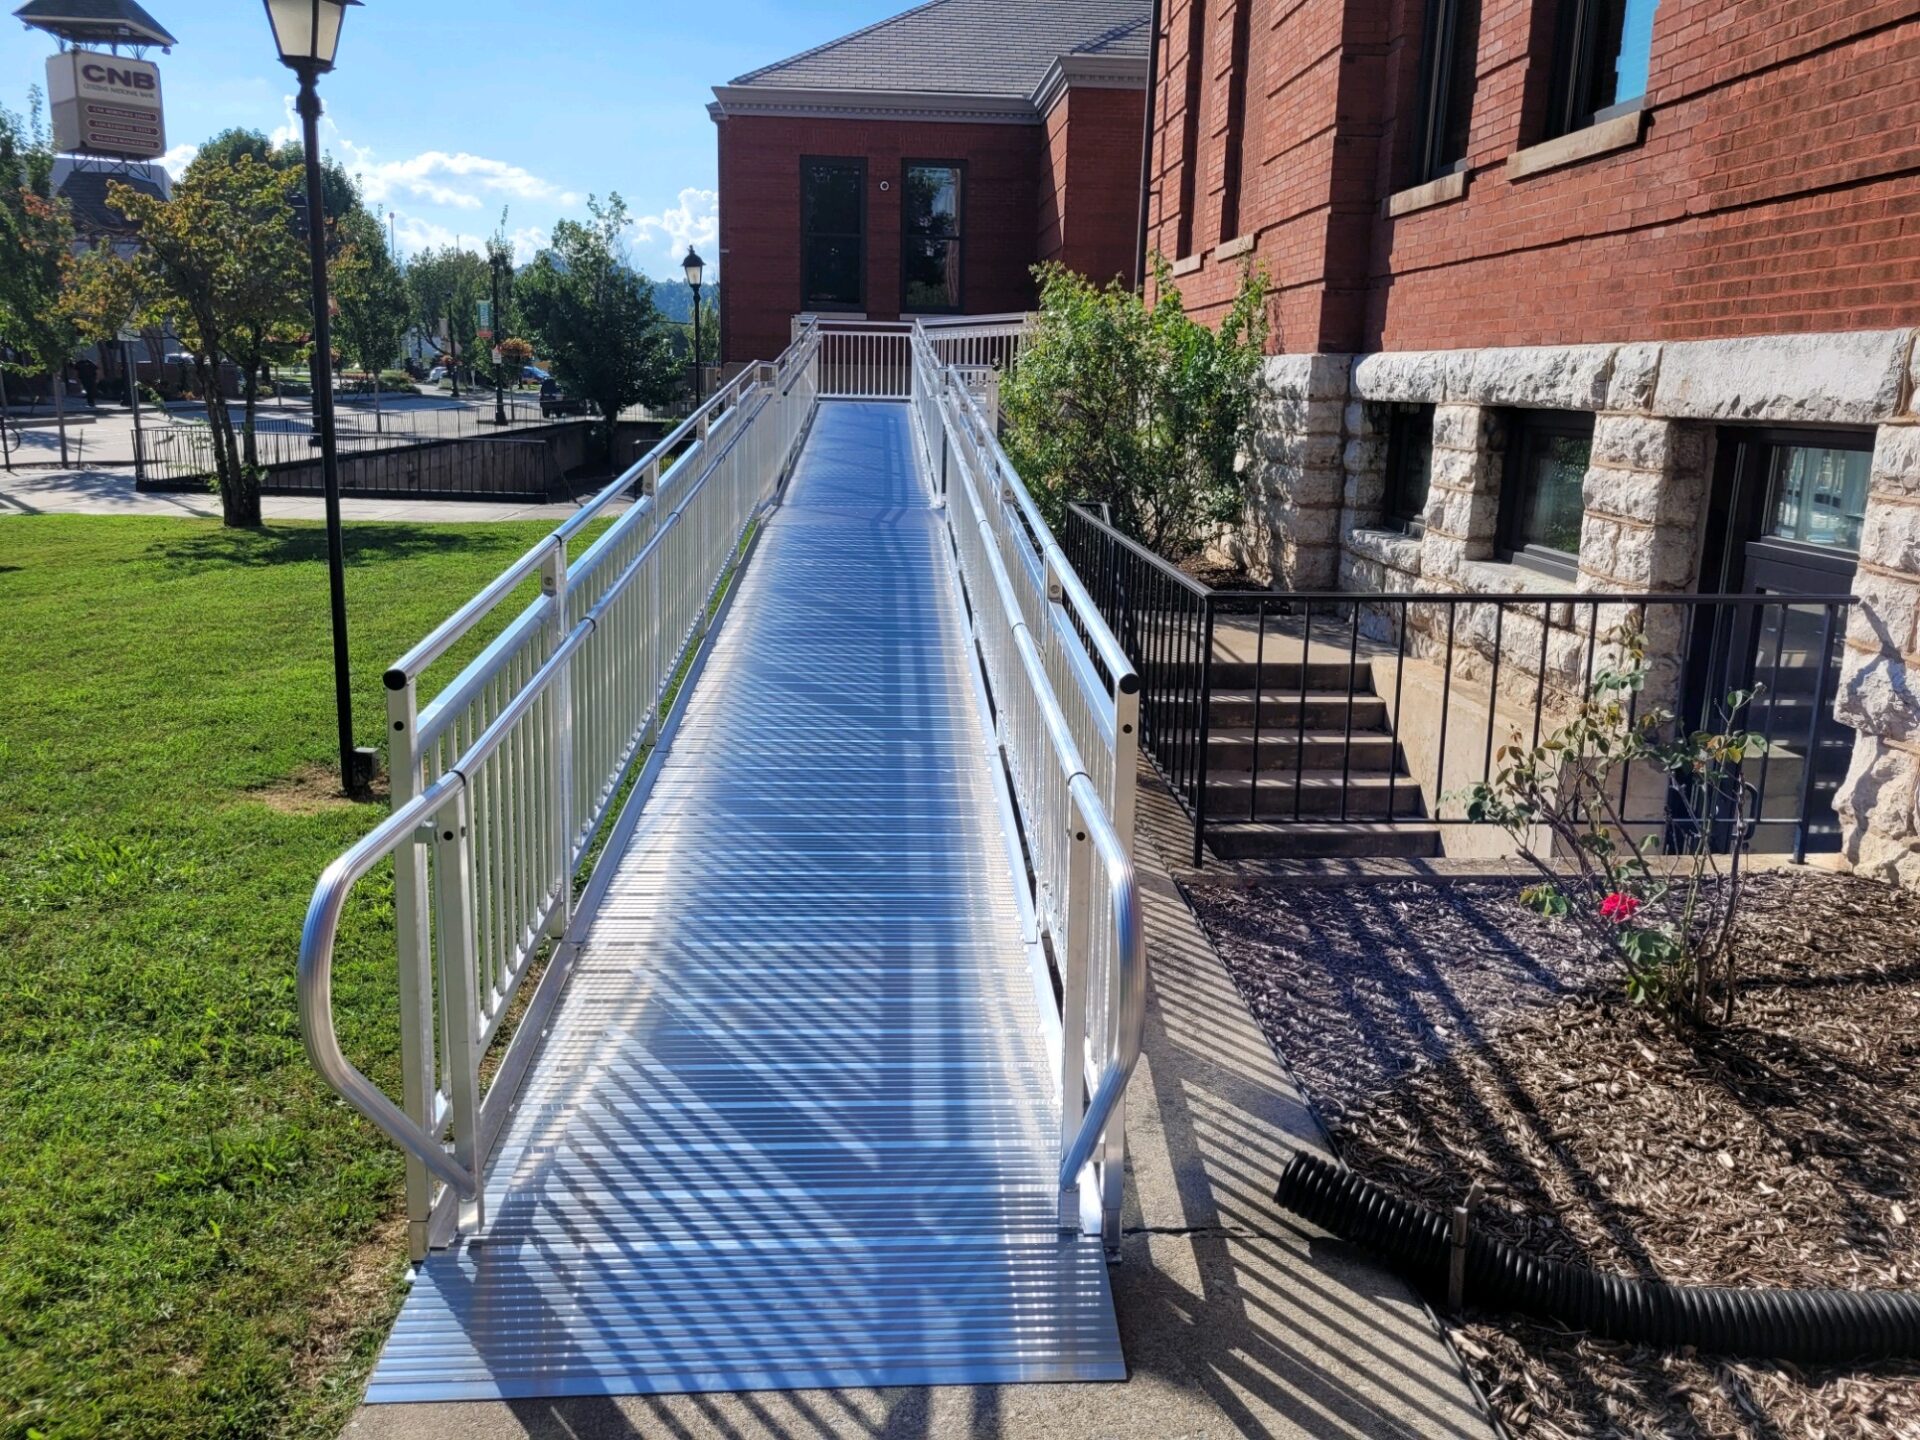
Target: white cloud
{"points": [[694, 221], [176, 160], [413, 234], [456, 181], [528, 242]]}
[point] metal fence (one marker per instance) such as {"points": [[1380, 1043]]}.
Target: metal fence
{"points": [[504, 779], [177, 450], [1065, 703], [1344, 708]]}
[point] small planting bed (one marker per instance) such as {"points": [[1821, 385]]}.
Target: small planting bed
{"points": [[1446, 1035]]}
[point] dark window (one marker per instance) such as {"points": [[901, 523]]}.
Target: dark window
{"points": [[930, 272], [833, 217], [1542, 495], [1233, 162], [1449, 54], [1190, 125], [1409, 467], [1602, 48]]}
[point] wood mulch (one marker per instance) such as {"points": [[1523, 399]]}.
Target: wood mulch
{"points": [[1446, 1035]]}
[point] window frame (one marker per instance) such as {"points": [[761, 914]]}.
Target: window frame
{"points": [[1399, 416], [959, 167], [1524, 427], [1434, 95], [1576, 40], [857, 163]]}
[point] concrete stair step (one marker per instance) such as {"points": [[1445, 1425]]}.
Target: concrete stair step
{"points": [[1265, 840], [1233, 752], [1273, 675], [1281, 709], [1318, 793]]}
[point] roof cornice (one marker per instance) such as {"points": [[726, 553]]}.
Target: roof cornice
{"points": [[1089, 72], [924, 105]]}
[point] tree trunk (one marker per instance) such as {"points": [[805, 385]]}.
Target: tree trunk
{"points": [[239, 487]]}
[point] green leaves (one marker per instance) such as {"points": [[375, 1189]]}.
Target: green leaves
{"points": [[594, 315], [1138, 407]]}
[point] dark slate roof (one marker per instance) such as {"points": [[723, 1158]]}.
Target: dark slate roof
{"points": [[964, 47], [96, 21], [86, 192]]}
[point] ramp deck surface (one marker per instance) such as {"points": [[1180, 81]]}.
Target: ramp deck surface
{"points": [[793, 1124]]}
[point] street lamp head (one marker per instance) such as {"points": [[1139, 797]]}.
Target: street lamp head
{"points": [[307, 32], [695, 267]]}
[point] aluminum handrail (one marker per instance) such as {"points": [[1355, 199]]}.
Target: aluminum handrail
{"points": [[1130, 1026], [1040, 640], [520, 758], [315, 987], [448, 633]]}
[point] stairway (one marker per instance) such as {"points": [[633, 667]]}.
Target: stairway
{"points": [[1308, 770]]}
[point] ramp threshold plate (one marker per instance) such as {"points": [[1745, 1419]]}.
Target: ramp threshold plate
{"points": [[792, 1125]]}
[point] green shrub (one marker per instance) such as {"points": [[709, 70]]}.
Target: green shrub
{"points": [[1138, 406]]}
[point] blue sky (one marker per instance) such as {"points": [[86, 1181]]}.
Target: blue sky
{"points": [[448, 111]]}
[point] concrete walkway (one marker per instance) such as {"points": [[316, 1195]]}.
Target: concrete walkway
{"points": [[111, 492], [1235, 1318]]}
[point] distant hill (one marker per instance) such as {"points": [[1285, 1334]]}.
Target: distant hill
{"points": [[675, 298]]}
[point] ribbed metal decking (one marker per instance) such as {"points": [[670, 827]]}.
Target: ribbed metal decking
{"points": [[793, 1123]]}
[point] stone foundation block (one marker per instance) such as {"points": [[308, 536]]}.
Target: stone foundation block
{"points": [[1877, 807]]}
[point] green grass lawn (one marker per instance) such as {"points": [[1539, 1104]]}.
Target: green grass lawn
{"points": [[196, 1238]]}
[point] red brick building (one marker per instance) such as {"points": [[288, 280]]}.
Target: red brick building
{"points": [[1615, 294], [924, 165]]}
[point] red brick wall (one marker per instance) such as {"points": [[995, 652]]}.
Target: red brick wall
{"points": [[760, 216], [1773, 190], [1089, 205]]}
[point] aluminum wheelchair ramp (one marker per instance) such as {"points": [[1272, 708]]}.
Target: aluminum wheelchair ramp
{"points": [[793, 1123]]}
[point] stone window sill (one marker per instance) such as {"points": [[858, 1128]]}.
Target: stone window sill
{"points": [[1233, 249], [1392, 548], [1425, 197], [1186, 264], [1620, 133]]}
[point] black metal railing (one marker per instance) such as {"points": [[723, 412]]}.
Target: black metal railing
{"points": [[1346, 708]]}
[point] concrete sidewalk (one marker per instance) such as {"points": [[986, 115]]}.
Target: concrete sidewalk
{"points": [[1236, 1319], [111, 492]]}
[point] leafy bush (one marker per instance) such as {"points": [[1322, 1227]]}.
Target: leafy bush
{"points": [[1670, 927], [395, 380], [1140, 407]]}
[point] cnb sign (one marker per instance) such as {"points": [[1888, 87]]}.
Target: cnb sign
{"points": [[106, 105]]}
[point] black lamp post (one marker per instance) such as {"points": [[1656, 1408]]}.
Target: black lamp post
{"points": [[496, 260], [696, 270], [308, 34]]}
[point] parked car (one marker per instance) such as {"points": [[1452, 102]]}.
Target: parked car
{"points": [[436, 374], [535, 374], [553, 401]]}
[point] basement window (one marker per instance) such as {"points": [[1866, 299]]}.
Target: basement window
{"points": [[1601, 55], [1543, 494], [1409, 467]]}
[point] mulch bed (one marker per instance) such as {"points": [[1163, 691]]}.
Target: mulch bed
{"points": [[1446, 1035]]}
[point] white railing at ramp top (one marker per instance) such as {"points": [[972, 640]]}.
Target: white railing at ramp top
{"points": [[504, 780]]}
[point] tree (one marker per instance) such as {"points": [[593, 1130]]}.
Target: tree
{"points": [[1137, 406], [447, 286], [36, 239], [220, 263], [506, 372], [371, 297], [594, 315]]}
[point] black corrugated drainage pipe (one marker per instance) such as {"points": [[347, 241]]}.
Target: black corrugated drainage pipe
{"points": [[1804, 1326]]}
